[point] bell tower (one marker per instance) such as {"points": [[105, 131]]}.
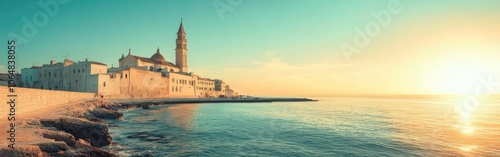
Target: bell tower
{"points": [[181, 50]]}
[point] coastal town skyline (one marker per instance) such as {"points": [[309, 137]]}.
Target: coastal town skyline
{"points": [[290, 52]]}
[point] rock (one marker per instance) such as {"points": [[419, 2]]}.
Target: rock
{"points": [[60, 136], [21, 151], [113, 107], [96, 152], [85, 149], [106, 114], [53, 147], [80, 143], [95, 132], [131, 105], [146, 106]]}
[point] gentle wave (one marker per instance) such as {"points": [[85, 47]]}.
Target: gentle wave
{"points": [[329, 127]]}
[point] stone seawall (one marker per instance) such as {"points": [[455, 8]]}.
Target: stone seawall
{"points": [[29, 99]]}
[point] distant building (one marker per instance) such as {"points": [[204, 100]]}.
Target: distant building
{"points": [[135, 77], [205, 87]]}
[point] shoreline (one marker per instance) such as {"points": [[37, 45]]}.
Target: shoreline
{"points": [[77, 129]]}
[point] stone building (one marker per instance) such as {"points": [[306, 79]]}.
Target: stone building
{"points": [[155, 63], [66, 75], [205, 87], [136, 76]]}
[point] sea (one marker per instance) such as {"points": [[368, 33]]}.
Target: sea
{"points": [[331, 126]]}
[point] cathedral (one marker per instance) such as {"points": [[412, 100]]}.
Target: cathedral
{"points": [[157, 62], [135, 76]]}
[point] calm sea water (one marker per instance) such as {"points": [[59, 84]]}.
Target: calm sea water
{"points": [[330, 127]]}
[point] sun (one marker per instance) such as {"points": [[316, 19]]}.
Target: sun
{"points": [[459, 76], [460, 80]]}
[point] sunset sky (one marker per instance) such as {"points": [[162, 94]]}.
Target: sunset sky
{"points": [[278, 47]]}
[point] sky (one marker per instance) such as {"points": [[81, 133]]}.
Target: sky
{"points": [[277, 47]]}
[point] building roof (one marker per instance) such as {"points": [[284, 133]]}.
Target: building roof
{"points": [[205, 79], [149, 60], [157, 56], [181, 29], [94, 62]]}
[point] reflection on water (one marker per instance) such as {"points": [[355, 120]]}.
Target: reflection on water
{"points": [[182, 114], [330, 127]]}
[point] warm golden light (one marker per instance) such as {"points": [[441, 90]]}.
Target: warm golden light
{"points": [[460, 73], [467, 130], [468, 148], [459, 80]]}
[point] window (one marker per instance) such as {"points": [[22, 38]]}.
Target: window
{"points": [[49, 74], [173, 79], [83, 70], [77, 81], [73, 71], [172, 89], [176, 88], [78, 70], [125, 75], [104, 84]]}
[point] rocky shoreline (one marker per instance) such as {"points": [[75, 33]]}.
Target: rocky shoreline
{"points": [[81, 132]]}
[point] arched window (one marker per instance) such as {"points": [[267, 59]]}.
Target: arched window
{"points": [[125, 75]]}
